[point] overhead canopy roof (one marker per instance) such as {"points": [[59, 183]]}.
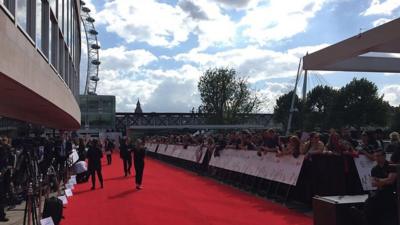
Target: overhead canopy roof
{"points": [[349, 55]]}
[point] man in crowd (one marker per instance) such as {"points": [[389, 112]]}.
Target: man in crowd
{"points": [[381, 206], [270, 142]]}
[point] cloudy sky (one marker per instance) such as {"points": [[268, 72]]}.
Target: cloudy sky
{"points": [[156, 50]]}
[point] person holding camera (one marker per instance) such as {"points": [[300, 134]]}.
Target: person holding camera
{"points": [[381, 205], [3, 171]]}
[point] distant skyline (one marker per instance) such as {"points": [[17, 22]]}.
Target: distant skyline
{"points": [[156, 50]]}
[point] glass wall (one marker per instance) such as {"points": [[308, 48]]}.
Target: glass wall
{"points": [[39, 20], [9, 4], [65, 19], [54, 26], [98, 111], [22, 14], [53, 5]]}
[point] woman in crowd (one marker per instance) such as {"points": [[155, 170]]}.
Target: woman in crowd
{"points": [[293, 148], [366, 146], [94, 156], [270, 142], [235, 141], [247, 143], [394, 147], [139, 154], [314, 145]]}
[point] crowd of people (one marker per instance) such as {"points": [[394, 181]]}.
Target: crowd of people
{"points": [[345, 141], [381, 206]]}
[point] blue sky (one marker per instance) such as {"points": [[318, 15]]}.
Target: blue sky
{"points": [[156, 50]]}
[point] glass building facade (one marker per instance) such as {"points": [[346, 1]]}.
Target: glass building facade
{"points": [[53, 28], [97, 112]]}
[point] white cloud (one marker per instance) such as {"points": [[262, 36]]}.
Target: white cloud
{"points": [[279, 19], [149, 21], [174, 96], [209, 23], [392, 94], [120, 58], [381, 7], [258, 64], [165, 25], [126, 74], [270, 93], [380, 21], [237, 3]]}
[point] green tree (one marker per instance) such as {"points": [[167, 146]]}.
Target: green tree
{"points": [[361, 104], [282, 109], [395, 119], [319, 107], [224, 95]]}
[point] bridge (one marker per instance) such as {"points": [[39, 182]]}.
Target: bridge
{"points": [[154, 121]]}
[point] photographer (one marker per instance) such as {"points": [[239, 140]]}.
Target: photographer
{"points": [[3, 172], [381, 205]]}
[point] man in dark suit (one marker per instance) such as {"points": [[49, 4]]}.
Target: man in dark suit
{"points": [[139, 154], [125, 148], [94, 156]]}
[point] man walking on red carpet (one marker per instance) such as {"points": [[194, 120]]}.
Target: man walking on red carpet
{"points": [[139, 154], [94, 156]]}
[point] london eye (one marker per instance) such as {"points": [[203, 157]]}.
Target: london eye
{"points": [[93, 48]]}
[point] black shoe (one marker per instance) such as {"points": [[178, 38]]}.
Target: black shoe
{"points": [[4, 219], [102, 186]]}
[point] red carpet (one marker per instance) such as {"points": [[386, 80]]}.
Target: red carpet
{"points": [[171, 196]]}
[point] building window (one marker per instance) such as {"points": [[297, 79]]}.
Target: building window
{"points": [[72, 32], [53, 6], [65, 19], [71, 74], [66, 68], [60, 13], [22, 13], [61, 56], [39, 22], [53, 43], [68, 22], [10, 5]]}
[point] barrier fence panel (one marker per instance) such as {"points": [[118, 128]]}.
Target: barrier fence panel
{"points": [[319, 174], [364, 166], [285, 169]]}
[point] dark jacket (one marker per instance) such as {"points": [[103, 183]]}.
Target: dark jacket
{"points": [[94, 156], [139, 154], [125, 150]]}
